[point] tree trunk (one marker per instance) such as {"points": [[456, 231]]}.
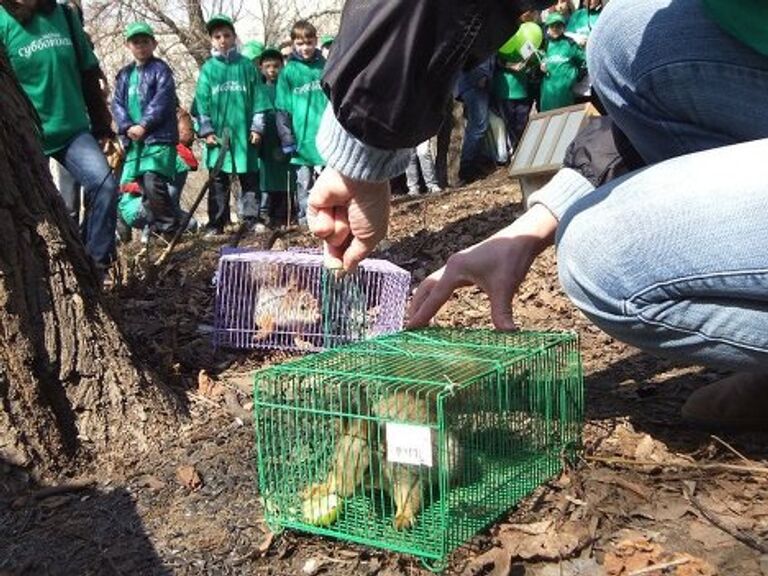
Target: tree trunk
{"points": [[68, 383]]}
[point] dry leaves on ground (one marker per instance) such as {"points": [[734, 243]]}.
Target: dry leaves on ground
{"points": [[641, 557], [208, 387], [188, 477]]}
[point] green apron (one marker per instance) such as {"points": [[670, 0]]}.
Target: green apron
{"points": [[226, 94]]}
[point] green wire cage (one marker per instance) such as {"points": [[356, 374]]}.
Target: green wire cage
{"points": [[416, 441]]}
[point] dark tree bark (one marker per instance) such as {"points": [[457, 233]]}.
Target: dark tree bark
{"points": [[69, 386]]}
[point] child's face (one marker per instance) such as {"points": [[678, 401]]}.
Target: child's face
{"points": [[271, 68], [563, 6], [555, 30], [142, 47], [305, 47], [222, 39]]}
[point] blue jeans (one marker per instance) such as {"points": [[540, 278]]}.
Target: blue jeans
{"points": [[305, 179], [473, 151], [68, 189], [515, 114], [247, 203], [674, 258], [421, 157], [84, 159]]}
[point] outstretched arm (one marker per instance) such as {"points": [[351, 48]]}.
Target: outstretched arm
{"points": [[497, 265]]}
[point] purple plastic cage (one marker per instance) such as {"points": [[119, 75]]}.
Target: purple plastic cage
{"points": [[288, 300]]}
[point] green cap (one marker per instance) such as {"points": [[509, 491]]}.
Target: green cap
{"points": [[326, 39], [271, 52], [252, 49], [555, 18], [138, 29], [219, 20]]}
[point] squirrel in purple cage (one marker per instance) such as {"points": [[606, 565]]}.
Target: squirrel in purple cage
{"points": [[284, 307]]}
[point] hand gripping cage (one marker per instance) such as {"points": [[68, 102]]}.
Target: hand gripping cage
{"points": [[416, 441], [290, 301]]}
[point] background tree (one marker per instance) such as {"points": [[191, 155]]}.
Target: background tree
{"points": [[69, 386]]}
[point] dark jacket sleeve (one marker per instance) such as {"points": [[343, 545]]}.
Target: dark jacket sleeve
{"points": [[162, 104], [601, 152], [120, 102], [285, 129], [394, 62]]}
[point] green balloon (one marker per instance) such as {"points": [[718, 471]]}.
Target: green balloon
{"points": [[528, 32]]}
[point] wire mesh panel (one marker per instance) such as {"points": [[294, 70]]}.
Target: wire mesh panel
{"points": [[289, 300], [415, 441]]}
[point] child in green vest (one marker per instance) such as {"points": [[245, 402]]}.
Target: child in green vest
{"points": [[578, 29], [511, 94], [300, 103], [144, 107], [277, 174], [582, 21], [54, 63], [225, 100], [562, 64]]}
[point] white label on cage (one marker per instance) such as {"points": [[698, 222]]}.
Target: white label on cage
{"points": [[409, 444]]}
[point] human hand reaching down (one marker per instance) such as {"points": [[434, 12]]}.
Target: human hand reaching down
{"points": [[497, 266]]}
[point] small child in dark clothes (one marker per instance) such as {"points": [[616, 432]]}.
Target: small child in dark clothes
{"points": [[144, 106]]}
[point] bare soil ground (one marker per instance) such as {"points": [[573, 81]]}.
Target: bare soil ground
{"points": [[650, 496]]}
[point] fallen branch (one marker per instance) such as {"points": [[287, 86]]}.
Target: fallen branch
{"points": [[744, 537], [659, 567], [717, 467], [733, 450], [48, 491]]}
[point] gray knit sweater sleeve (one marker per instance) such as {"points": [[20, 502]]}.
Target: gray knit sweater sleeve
{"points": [[355, 159], [562, 192]]}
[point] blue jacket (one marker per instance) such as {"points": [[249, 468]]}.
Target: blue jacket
{"points": [[157, 91]]}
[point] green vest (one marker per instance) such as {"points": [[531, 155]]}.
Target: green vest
{"points": [[510, 84], [226, 94], [745, 20], [299, 93], [582, 22], [564, 59], [45, 62]]}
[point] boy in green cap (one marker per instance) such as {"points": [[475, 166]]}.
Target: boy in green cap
{"points": [[277, 174], [144, 107], [225, 100], [300, 103], [562, 64]]}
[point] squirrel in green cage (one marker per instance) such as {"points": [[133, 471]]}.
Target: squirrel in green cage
{"points": [[360, 457]]}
